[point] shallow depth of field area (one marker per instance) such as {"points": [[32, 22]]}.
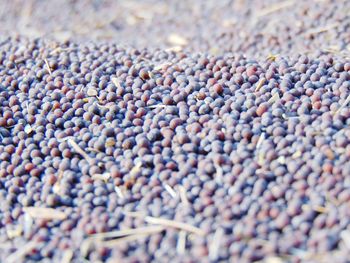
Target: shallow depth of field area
{"points": [[174, 131]]}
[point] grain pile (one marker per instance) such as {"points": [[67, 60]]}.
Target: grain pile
{"points": [[207, 132]]}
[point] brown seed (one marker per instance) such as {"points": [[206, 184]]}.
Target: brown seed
{"points": [[262, 108]]}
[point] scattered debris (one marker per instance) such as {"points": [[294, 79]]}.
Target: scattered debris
{"points": [[181, 242], [28, 129], [214, 248], [119, 192], [170, 190], [113, 238], [14, 231], [274, 8], [274, 98], [77, 148], [260, 83], [20, 253], [116, 83], [91, 92], [183, 197], [177, 40], [67, 256], [103, 177], [44, 213], [48, 66]]}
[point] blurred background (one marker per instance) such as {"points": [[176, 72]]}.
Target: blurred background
{"points": [[216, 26]]}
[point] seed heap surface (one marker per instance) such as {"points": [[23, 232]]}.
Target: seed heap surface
{"points": [[189, 152]]}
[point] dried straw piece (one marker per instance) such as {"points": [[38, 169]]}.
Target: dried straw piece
{"points": [[282, 160], [284, 116], [167, 223], [332, 200], [272, 57], [346, 102], [110, 143], [163, 66], [119, 236], [274, 259], [170, 190], [137, 214], [20, 253], [214, 51], [174, 224], [44, 213], [219, 174], [57, 186], [151, 74], [260, 84], [77, 148], [332, 49], [321, 29], [28, 223], [126, 232], [67, 256], [229, 22], [157, 106], [261, 158], [116, 83], [85, 247], [317, 208], [91, 92], [60, 49], [135, 234], [7, 245], [118, 241], [136, 168], [274, 8], [183, 197], [274, 98], [308, 256], [28, 129], [132, 19], [102, 177], [99, 105], [174, 49], [15, 231], [92, 150], [345, 236], [261, 154], [177, 40], [260, 141], [20, 60], [297, 154], [181, 243], [48, 66], [215, 245], [119, 192]]}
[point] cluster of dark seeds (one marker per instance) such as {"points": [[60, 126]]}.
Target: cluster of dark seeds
{"points": [[181, 148], [199, 157]]}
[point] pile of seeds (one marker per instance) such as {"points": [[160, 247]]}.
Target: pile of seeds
{"points": [[186, 153], [178, 155]]}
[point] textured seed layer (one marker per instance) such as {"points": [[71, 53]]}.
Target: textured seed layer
{"points": [[192, 152]]}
